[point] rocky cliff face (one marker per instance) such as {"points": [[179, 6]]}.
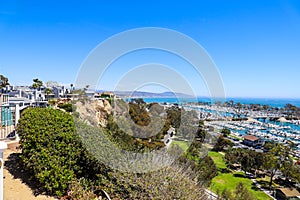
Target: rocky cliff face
{"points": [[94, 112], [103, 108]]}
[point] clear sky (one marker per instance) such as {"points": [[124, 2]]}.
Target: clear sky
{"points": [[254, 43]]}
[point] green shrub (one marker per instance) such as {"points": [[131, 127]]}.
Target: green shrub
{"points": [[68, 107], [51, 148]]}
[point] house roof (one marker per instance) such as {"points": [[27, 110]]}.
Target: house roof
{"points": [[289, 192], [251, 137]]}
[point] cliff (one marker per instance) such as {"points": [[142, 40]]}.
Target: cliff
{"points": [[94, 112]]}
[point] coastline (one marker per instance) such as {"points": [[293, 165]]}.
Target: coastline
{"points": [[274, 102]]}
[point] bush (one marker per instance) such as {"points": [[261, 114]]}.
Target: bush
{"points": [[51, 148], [68, 107], [78, 192]]}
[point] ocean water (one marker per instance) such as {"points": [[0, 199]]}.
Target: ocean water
{"points": [[274, 102]]}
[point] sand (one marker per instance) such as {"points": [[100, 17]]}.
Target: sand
{"points": [[16, 186]]}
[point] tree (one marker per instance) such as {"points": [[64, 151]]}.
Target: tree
{"points": [[225, 194], [201, 134], [225, 132], [287, 168], [233, 156], [272, 161], [201, 163], [194, 151], [287, 163], [207, 170], [221, 144], [258, 160], [138, 112], [240, 156], [174, 116], [242, 193], [296, 173], [246, 161], [3, 81], [37, 84], [269, 145]]}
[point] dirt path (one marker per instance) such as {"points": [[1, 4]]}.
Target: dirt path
{"points": [[14, 187]]}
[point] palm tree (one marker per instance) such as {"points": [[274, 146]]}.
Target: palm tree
{"points": [[37, 84], [48, 91]]}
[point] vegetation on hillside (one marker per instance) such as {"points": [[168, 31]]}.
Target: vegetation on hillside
{"points": [[56, 154], [52, 150]]}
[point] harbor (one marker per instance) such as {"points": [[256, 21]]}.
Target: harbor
{"points": [[268, 125]]}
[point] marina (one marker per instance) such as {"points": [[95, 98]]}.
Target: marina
{"points": [[269, 122], [266, 125]]}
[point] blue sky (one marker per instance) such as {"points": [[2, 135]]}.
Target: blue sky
{"points": [[255, 44]]}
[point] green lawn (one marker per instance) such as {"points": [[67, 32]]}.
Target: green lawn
{"points": [[230, 180], [182, 144], [218, 159]]}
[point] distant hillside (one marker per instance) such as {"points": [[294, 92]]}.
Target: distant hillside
{"points": [[142, 94]]}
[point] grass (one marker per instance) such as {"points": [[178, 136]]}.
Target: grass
{"points": [[264, 182], [182, 144], [229, 180], [218, 159]]}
